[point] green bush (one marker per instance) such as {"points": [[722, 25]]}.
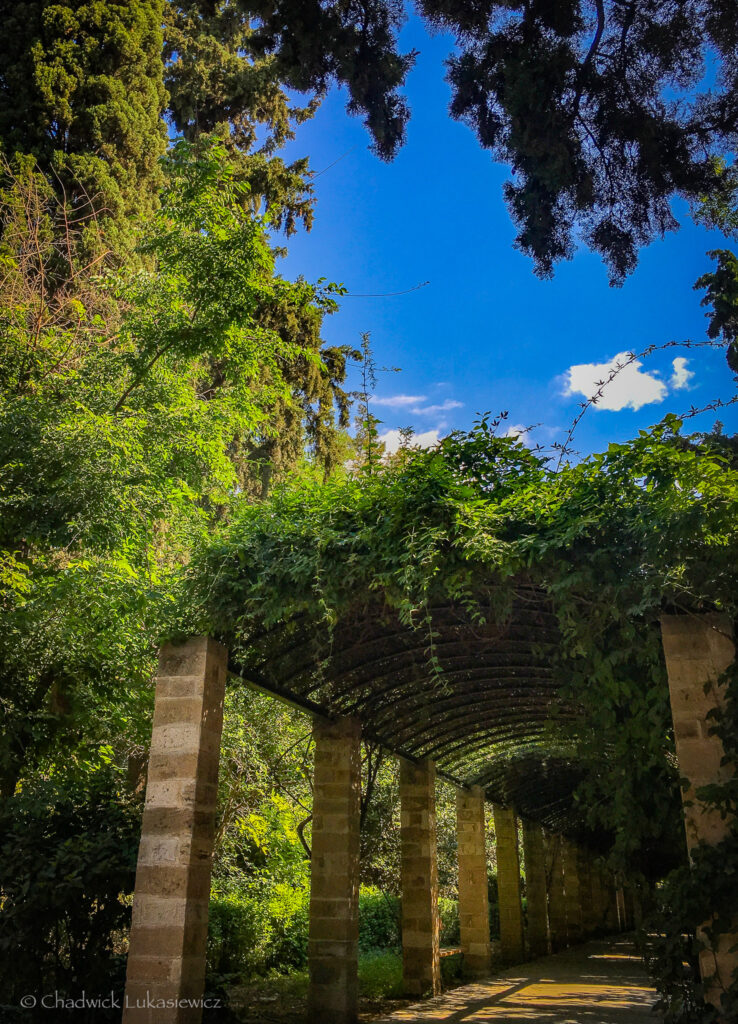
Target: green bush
{"points": [[379, 920], [256, 927], [448, 911], [252, 932], [67, 864], [260, 928]]}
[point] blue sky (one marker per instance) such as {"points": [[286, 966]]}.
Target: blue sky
{"points": [[485, 333]]}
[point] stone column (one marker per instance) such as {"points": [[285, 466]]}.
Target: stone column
{"points": [[535, 888], [421, 932], [333, 943], [473, 891], [621, 911], [556, 895], [166, 958], [698, 649], [508, 885], [629, 904], [599, 897], [572, 886], [587, 895], [612, 918]]}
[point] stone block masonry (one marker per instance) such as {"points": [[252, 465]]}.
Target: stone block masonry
{"points": [[166, 960], [421, 961], [473, 890], [587, 894], [556, 894], [698, 649], [535, 887], [573, 890], [508, 885], [333, 944]]}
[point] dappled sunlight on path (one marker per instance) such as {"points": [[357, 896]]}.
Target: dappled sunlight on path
{"points": [[601, 982]]}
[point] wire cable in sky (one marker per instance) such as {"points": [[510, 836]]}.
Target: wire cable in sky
{"points": [[336, 161], [383, 295]]}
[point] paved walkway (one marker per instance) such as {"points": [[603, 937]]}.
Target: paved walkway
{"points": [[602, 982]]}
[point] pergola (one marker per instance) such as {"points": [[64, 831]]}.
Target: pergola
{"points": [[467, 689], [485, 710], [483, 722]]}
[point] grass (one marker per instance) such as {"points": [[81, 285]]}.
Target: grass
{"points": [[380, 975], [277, 998]]}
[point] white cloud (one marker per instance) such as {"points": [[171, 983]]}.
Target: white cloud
{"points": [[392, 439], [630, 388], [397, 401], [416, 404], [681, 376], [429, 410], [520, 432]]}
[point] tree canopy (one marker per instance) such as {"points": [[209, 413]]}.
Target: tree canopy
{"points": [[135, 405], [605, 111], [82, 92]]}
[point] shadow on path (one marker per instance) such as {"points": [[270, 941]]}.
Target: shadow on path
{"points": [[601, 982]]}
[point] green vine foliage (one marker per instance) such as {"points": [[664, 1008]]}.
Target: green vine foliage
{"points": [[616, 540]]}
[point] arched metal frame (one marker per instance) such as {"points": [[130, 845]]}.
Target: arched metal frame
{"points": [[484, 717]]}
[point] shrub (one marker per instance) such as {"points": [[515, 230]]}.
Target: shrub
{"points": [[67, 864], [256, 930], [379, 920], [448, 910]]}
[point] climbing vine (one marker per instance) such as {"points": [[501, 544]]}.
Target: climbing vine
{"points": [[614, 541]]}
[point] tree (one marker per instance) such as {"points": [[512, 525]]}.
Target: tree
{"points": [[82, 93], [722, 296], [131, 405], [721, 212], [605, 110], [229, 66], [229, 62]]}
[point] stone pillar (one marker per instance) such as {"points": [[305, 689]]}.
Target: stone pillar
{"points": [[508, 885], [572, 886], [629, 904], [556, 895], [333, 943], [697, 650], [421, 931], [612, 916], [599, 897], [609, 907], [473, 891], [587, 895], [621, 910], [166, 958], [535, 888]]}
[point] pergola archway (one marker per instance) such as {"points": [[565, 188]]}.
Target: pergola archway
{"points": [[461, 678], [482, 720]]}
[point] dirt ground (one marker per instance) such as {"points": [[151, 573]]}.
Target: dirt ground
{"points": [[260, 1004]]}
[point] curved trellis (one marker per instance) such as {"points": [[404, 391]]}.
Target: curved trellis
{"points": [[470, 692], [449, 598]]}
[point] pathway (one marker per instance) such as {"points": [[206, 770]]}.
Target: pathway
{"points": [[602, 982]]}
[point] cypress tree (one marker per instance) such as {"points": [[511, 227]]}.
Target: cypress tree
{"points": [[82, 93]]}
